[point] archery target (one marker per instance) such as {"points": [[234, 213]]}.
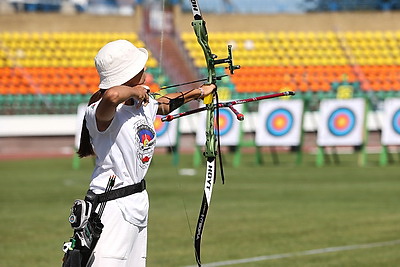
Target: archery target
{"points": [[341, 122], [391, 122], [396, 121], [225, 122], [160, 126], [166, 132], [279, 123], [229, 127]]}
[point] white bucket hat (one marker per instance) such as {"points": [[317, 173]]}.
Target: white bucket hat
{"points": [[119, 61]]}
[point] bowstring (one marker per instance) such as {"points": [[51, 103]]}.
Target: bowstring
{"points": [[160, 71], [160, 59]]}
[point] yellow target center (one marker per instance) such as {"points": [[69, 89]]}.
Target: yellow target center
{"points": [[342, 122]]}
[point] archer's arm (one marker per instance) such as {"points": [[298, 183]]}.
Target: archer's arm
{"points": [[115, 96], [172, 101]]}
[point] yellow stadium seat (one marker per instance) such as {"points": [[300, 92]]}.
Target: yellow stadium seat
{"points": [[270, 36], [44, 36], [152, 63], [240, 36], [257, 36], [328, 35], [310, 35], [217, 36], [272, 62], [295, 61], [349, 36], [186, 36]]}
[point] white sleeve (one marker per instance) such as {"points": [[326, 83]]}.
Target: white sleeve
{"points": [[90, 117], [153, 105], [91, 122]]}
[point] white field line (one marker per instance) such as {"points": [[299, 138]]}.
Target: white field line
{"points": [[301, 253]]}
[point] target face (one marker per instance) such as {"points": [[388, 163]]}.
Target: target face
{"points": [[225, 121], [229, 127], [396, 122], [391, 122], [341, 122], [160, 127], [279, 122], [166, 132]]}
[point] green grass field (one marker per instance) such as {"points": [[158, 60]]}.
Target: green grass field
{"points": [[260, 211]]}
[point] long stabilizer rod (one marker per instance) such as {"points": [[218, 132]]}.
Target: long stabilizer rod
{"points": [[229, 104]]}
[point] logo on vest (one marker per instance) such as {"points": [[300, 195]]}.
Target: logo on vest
{"points": [[145, 138]]}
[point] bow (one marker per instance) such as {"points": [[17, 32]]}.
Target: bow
{"points": [[199, 27]]}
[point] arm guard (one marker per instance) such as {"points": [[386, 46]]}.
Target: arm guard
{"points": [[175, 103]]}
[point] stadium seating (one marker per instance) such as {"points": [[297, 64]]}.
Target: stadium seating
{"points": [[308, 61], [54, 72]]}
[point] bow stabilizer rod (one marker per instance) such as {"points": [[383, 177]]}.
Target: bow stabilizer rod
{"points": [[228, 104]]}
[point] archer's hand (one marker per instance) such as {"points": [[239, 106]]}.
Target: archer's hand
{"points": [[141, 95], [207, 89]]}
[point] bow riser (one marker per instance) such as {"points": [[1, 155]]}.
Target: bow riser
{"points": [[199, 27], [210, 151]]}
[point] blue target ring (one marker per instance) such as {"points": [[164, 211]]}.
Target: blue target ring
{"points": [[279, 122], [341, 122], [225, 121], [396, 121]]}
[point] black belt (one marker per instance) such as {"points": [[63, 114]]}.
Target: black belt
{"points": [[117, 193]]}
